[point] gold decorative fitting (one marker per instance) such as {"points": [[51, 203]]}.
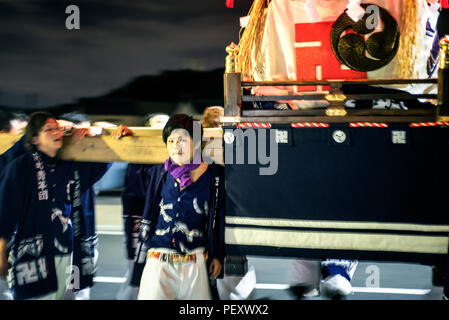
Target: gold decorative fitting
{"points": [[335, 97], [444, 53], [231, 58], [335, 112], [443, 118]]}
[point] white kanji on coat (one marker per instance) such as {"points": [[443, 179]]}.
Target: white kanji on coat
{"points": [[65, 221], [196, 207], [182, 227], [164, 207]]}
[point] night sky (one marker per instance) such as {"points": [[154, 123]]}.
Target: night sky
{"points": [[42, 63]]}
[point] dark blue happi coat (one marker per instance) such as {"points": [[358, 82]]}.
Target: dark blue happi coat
{"points": [[40, 210], [165, 222], [85, 253], [183, 215]]}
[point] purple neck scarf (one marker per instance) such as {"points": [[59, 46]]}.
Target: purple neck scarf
{"points": [[181, 172]]}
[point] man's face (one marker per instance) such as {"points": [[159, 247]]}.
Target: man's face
{"points": [[180, 147], [49, 138]]}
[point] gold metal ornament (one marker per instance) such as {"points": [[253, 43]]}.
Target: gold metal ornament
{"points": [[231, 59], [332, 97], [335, 112], [444, 53]]}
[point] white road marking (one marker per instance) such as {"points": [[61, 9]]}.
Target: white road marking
{"points": [[272, 286], [110, 233], [392, 290], [276, 286], [110, 279]]}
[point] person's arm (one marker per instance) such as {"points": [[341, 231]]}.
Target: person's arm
{"points": [[216, 266], [218, 226], [13, 184], [91, 172], [153, 176]]}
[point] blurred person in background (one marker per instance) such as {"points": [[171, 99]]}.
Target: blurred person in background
{"points": [[212, 117], [18, 122], [156, 120]]}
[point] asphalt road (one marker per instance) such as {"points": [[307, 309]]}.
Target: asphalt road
{"points": [[396, 281]]}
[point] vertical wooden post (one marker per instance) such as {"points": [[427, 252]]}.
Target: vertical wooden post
{"points": [[232, 95], [232, 84], [443, 78]]}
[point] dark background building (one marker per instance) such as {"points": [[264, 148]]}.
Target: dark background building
{"points": [[127, 57]]}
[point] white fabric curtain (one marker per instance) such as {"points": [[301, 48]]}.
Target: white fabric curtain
{"points": [[278, 45]]}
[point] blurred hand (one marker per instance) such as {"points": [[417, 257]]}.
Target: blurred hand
{"points": [[121, 131], [215, 268], [79, 134], [66, 126]]}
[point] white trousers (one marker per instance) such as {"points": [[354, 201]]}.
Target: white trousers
{"points": [[175, 281], [63, 265]]}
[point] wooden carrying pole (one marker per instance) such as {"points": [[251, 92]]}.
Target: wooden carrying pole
{"points": [[146, 146]]}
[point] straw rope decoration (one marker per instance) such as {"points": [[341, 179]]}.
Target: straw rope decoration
{"points": [[251, 40], [411, 33]]}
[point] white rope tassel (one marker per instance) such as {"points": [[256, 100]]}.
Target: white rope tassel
{"points": [[355, 11]]}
